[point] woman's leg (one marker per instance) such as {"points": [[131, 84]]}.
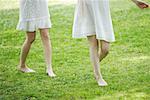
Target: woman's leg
{"points": [[95, 60], [30, 37], [103, 49], [47, 50]]}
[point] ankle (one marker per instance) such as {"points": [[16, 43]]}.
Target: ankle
{"points": [[49, 67], [22, 66], [98, 78]]}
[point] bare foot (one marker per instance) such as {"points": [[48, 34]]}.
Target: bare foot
{"points": [[50, 72], [26, 70], [102, 82]]}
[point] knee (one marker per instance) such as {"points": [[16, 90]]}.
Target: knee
{"points": [[30, 40], [105, 51], [45, 35], [92, 41]]}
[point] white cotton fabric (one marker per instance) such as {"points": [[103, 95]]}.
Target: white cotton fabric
{"points": [[34, 14], [92, 17]]}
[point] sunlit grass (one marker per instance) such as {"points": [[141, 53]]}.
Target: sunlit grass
{"points": [[14, 4], [126, 69]]}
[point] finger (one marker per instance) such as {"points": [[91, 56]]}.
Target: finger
{"points": [[145, 6], [143, 3], [140, 6]]}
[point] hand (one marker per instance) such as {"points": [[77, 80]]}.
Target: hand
{"points": [[141, 4]]}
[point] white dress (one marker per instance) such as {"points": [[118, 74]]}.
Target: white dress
{"points": [[34, 14], [92, 17]]}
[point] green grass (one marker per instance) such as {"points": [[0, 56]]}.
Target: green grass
{"points": [[126, 69]]}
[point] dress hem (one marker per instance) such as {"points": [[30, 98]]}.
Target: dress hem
{"points": [[99, 38]]}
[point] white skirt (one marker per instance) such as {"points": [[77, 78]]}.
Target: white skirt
{"points": [[92, 17], [34, 14]]}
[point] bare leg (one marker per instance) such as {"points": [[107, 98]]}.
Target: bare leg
{"points": [[95, 60], [30, 37], [103, 49], [47, 50]]}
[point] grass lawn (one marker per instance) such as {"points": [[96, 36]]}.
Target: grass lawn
{"points": [[126, 69]]}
